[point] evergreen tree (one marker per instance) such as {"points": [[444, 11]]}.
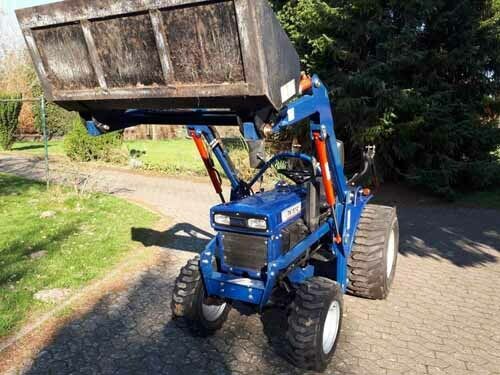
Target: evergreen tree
{"points": [[419, 78]]}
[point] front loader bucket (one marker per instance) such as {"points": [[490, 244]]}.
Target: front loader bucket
{"points": [[95, 55]]}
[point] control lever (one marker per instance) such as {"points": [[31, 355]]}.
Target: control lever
{"points": [[368, 166]]}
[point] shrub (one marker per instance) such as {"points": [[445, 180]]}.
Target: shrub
{"points": [[59, 121], [80, 146], [9, 117], [17, 74]]}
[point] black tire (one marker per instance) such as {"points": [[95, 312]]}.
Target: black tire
{"points": [[306, 323], [369, 276], [188, 301]]}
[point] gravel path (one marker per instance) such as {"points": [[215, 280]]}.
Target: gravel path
{"points": [[440, 318]]}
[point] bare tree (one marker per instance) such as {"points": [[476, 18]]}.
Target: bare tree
{"points": [[10, 35]]}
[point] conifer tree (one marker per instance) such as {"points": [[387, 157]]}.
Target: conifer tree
{"points": [[418, 78]]}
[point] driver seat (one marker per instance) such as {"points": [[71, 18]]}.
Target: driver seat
{"points": [[317, 208]]}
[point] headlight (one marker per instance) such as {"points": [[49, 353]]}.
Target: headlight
{"points": [[222, 219], [257, 224]]}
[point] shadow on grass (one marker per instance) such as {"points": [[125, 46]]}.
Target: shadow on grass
{"points": [[19, 274], [29, 147], [17, 255], [16, 185]]}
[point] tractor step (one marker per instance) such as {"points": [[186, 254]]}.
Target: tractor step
{"points": [[234, 287]]}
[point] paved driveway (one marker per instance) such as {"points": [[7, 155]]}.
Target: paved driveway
{"points": [[442, 316]]}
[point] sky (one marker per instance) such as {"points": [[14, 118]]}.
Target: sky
{"points": [[10, 34]]}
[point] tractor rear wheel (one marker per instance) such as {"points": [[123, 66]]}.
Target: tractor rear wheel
{"points": [[314, 323], [189, 301], [372, 263]]}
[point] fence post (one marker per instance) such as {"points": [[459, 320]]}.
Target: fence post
{"points": [[45, 140]]}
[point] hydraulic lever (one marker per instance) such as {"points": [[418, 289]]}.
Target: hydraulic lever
{"points": [[368, 167]]}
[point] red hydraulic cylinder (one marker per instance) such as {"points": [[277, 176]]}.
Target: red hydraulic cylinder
{"points": [[327, 179], [209, 164]]}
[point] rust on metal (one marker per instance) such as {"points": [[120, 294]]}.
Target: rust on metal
{"points": [[65, 57], [115, 54], [207, 35], [161, 44], [96, 62], [127, 48]]}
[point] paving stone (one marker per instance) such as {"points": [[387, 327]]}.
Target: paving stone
{"points": [[441, 316], [52, 295], [38, 255]]}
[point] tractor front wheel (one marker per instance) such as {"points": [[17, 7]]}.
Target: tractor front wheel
{"points": [[189, 301], [314, 323]]}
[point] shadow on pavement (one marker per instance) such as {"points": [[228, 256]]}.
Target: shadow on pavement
{"points": [[129, 333], [464, 236], [132, 332], [183, 236]]}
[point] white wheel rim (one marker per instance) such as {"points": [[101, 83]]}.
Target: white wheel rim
{"points": [[212, 312], [331, 327], [391, 252]]}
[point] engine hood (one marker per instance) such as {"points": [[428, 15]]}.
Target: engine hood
{"points": [[277, 206]]}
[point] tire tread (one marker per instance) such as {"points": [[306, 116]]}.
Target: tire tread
{"points": [[366, 264]]}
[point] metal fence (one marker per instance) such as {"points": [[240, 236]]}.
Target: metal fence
{"points": [[43, 119]]}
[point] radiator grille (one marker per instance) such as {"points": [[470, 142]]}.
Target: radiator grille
{"points": [[244, 251]]}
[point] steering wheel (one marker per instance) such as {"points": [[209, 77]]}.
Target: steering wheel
{"points": [[299, 176]]}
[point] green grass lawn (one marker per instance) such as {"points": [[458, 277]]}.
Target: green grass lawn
{"points": [[180, 156], [176, 156], [173, 156], [179, 153], [86, 236]]}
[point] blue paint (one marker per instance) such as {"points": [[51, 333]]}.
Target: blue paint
{"points": [[350, 204], [300, 274], [268, 205], [92, 128], [250, 132]]}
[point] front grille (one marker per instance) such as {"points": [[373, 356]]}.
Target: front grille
{"points": [[244, 251]]}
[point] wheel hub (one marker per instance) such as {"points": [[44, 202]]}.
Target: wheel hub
{"points": [[212, 312], [331, 327], [391, 252]]}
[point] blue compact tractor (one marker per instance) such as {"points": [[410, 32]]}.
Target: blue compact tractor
{"points": [[312, 238], [202, 64]]}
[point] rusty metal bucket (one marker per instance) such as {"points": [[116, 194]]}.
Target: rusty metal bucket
{"points": [[158, 54]]}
